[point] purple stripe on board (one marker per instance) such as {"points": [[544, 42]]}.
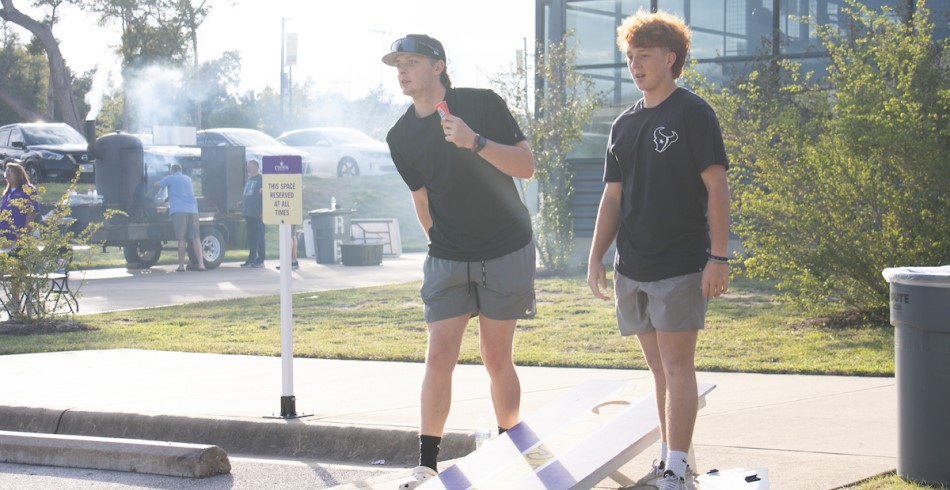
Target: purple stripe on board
{"points": [[522, 436], [453, 478], [555, 475]]}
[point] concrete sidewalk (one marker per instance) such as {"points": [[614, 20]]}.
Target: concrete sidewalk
{"points": [[811, 432]]}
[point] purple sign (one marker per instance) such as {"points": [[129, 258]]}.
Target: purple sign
{"points": [[281, 165]]}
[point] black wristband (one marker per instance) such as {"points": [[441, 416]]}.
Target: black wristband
{"points": [[718, 259]]}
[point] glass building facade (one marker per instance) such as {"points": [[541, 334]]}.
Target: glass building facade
{"points": [[728, 38]]}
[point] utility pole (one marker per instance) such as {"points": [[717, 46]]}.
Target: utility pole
{"points": [[283, 77], [290, 60], [524, 64]]}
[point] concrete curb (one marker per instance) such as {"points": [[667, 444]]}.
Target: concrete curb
{"points": [[101, 453], [299, 438]]}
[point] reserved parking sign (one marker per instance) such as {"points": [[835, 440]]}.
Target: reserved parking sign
{"points": [[283, 190]]}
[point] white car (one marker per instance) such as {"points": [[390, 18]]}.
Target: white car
{"points": [[256, 144], [341, 152]]}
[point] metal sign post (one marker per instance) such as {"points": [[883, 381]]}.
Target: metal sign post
{"points": [[283, 205]]}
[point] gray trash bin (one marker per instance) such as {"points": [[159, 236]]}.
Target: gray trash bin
{"points": [[920, 311], [331, 228]]}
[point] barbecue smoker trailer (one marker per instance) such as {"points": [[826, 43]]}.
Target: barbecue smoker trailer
{"points": [[125, 174]]}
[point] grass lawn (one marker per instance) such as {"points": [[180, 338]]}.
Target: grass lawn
{"points": [[888, 481], [747, 332]]}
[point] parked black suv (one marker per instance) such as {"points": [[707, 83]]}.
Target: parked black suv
{"points": [[48, 151]]}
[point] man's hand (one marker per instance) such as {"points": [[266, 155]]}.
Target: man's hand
{"points": [[715, 279], [597, 279], [457, 132]]}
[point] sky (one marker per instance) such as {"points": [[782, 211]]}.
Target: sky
{"points": [[339, 43]]}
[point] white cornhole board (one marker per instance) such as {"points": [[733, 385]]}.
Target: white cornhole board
{"points": [[576, 442], [736, 479]]}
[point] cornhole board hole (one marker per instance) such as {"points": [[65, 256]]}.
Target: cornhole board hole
{"points": [[574, 443]]}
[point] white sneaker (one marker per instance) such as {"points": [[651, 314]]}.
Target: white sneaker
{"points": [[419, 475], [672, 482]]}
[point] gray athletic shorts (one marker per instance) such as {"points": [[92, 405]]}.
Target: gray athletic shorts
{"points": [[185, 225], [500, 289], [670, 305]]}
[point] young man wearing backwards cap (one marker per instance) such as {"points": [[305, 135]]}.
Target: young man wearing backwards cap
{"points": [[458, 149]]}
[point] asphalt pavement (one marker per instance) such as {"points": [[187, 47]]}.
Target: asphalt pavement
{"points": [[116, 289], [360, 417]]}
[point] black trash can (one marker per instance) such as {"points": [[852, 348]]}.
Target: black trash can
{"points": [[920, 311], [331, 228]]}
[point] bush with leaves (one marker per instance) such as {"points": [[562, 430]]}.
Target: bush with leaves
{"points": [[836, 179], [563, 107], [40, 251]]}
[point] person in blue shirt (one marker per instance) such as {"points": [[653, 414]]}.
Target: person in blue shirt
{"points": [[183, 209], [19, 205]]}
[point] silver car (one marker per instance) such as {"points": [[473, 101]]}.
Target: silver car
{"points": [[341, 152], [257, 144]]}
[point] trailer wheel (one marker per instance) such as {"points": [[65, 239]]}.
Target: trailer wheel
{"points": [[213, 248], [142, 254]]}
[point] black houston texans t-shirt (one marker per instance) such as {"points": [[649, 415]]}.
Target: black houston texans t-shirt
{"points": [[658, 154], [476, 210]]}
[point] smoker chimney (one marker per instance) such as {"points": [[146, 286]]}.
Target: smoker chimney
{"points": [[90, 129]]}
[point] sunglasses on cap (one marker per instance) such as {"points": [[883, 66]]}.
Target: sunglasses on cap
{"points": [[414, 46]]}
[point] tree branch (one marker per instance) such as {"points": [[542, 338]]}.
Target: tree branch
{"points": [[59, 75]]}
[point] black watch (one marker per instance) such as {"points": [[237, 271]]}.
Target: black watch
{"points": [[480, 143]]}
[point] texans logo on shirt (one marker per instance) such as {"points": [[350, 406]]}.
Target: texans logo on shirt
{"points": [[663, 140]]}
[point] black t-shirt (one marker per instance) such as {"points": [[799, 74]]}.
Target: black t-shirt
{"points": [[476, 210], [253, 200], [658, 154]]}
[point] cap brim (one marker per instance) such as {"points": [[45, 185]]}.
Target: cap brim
{"points": [[390, 59]]}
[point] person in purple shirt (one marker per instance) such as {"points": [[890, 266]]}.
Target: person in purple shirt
{"points": [[19, 206], [183, 209]]}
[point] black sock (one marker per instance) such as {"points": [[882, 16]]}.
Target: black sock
{"points": [[429, 451], [501, 431]]}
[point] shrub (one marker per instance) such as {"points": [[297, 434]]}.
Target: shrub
{"points": [[836, 179]]}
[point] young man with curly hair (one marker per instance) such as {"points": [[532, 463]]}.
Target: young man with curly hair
{"points": [[666, 205]]}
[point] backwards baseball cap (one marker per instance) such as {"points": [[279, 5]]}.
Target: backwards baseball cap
{"points": [[415, 44]]}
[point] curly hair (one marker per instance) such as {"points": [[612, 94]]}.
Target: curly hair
{"points": [[659, 29]]}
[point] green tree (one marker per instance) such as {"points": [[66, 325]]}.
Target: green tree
{"points": [[564, 101], [836, 179], [23, 78], [60, 103], [219, 83], [159, 55]]}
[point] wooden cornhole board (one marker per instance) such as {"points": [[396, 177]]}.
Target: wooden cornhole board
{"points": [[576, 442]]}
